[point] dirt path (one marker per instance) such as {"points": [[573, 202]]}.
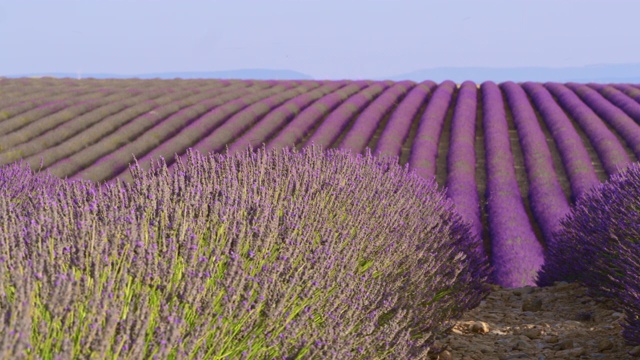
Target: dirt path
{"points": [[558, 322]]}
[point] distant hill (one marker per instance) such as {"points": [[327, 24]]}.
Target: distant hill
{"points": [[611, 80], [255, 74], [602, 73]]}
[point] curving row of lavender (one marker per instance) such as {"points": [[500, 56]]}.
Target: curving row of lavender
{"points": [[461, 184], [395, 133], [573, 152], [357, 138], [622, 97], [301, 125], [630, 91], [516, 253], [220, 124], [162, 128], [424, 150], [335, 123], [548, 202], [20, 96], [609, 150], [66, 158], [615, 117], [53, 130], [278, 117], [17, 129]]}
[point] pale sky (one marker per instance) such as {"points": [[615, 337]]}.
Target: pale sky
{"points": [[327, 39]]}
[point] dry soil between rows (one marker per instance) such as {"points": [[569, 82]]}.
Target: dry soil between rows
{"points": [[557, 322]]}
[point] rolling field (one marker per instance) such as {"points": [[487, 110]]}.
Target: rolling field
{"points": [[529, 149], [512, 157], [89, 129]]}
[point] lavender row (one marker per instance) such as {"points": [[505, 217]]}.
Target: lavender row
{"points": [[68, 156], [84, 163], [367, 122], [621, 122], [424, 149], [547, 199], [517, 255], [238, 123], [574, 155], [161, 139], [220, 125], [302, 124], [57, 133], [276, 119], [609, 150], [55, 129], [11, 127], [630, 91], [397, 128], [42, 125], [335, 123], [17, 87], [13, 104], [548, 202], [620, 99], [461, 184]]}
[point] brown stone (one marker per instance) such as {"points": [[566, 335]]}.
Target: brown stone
{"points": [[480, 327]]}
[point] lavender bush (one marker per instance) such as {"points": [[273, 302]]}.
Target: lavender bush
{"points": [[290, 255], [600, 240]]}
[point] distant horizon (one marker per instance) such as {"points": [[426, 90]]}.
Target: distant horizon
{"points": [[294, 70], [328, 39], [429, 68], [597, 73]]}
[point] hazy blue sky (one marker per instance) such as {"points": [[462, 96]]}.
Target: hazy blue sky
{"points": [[327, 39]]}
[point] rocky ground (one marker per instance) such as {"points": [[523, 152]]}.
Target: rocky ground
{"points": [[558, 322]]}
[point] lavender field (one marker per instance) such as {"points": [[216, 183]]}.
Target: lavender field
{"points": [[511, 158]]}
